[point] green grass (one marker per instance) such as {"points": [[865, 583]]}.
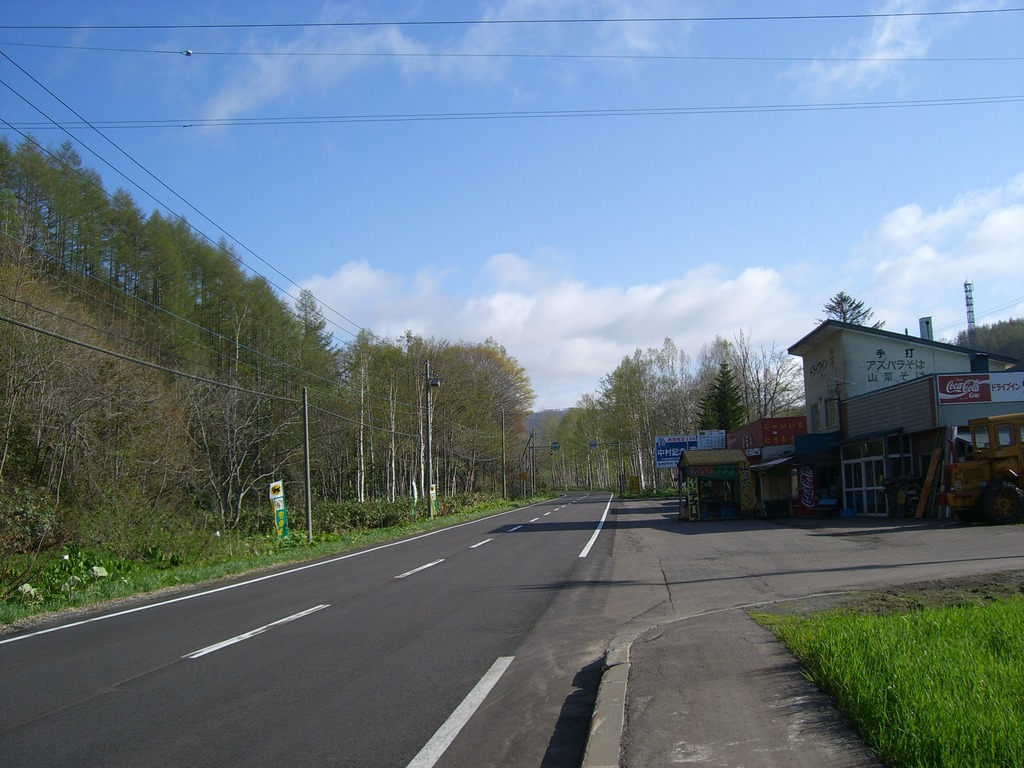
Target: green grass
{"points": [[66, 581], [935, 687]]}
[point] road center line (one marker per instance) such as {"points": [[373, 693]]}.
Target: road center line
{"points": [[421, 568], [600, 525], [251, 633], [257, 579], [440, 741], [481, 543]]}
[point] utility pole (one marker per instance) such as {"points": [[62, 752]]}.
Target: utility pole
{"points": [[429, 382], [309, 491], [504, 473]]}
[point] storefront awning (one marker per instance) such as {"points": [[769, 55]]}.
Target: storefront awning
{"points": [[772, 463], [711, 458]]}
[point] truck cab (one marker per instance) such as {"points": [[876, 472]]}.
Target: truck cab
{"points": [[989, 486]]}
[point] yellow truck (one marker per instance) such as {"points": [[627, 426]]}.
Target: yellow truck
{"points": [[989, 484]]}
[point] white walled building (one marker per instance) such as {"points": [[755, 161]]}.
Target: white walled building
{"points": [[891, 400], [844, 361]]}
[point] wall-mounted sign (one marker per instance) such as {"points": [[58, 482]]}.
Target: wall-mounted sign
{"points": [[961, 388]]}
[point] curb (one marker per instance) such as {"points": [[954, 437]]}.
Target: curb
{"points": [[605, 737]]}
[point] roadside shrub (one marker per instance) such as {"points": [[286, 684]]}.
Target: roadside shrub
{"points": [[31, 528], [349, 515]]}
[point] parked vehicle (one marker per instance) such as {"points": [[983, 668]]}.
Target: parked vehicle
{"points": [[989, 485]]}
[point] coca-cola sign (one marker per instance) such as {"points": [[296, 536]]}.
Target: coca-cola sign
{"points": [[807, 489], [965, 388]]}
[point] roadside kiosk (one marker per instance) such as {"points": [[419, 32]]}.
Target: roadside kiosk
{"points": [[714, 485]]}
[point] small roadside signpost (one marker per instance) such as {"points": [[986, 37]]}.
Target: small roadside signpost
{"points": [[277, 504]]}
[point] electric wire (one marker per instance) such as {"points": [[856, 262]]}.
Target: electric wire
{"points": [[234, 343], [144, 363], [535, 114], [165, 186], [499, 55], [524, 22], [92, 182]]}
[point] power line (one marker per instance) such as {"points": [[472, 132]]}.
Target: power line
{"points": [[518, 22], [234, 343], [227, 234], [145, 363], [532, 114], [498, 55], [984, 313]]}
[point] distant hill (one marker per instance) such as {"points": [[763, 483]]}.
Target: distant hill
{"points": [[535, 418], [1003, 338]]}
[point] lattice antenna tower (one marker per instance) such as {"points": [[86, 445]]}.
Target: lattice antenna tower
{"points": [[969, 298]]}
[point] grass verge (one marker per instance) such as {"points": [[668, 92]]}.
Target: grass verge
{"points": [[72, 583], [929, 687]]}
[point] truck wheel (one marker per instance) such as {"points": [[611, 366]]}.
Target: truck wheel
{"points": [[1003, 503]]}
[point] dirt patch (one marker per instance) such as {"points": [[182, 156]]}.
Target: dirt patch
{"points": [[933, 593]]}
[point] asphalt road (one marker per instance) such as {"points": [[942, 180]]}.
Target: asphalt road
{"points": [[359, 660], [707, 686], [480, 645]]}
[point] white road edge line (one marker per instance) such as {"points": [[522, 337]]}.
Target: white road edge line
{"points": [[481, 543], [421, 568], [247, 582], [440, 741], [251, 633], [600, 525]]}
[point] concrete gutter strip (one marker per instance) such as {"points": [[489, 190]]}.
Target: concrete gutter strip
{"points": [[606, 725], [609, 718]]}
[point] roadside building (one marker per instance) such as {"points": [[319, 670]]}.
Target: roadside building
{"points": [[715, 484], [768, 444], [892, 406]]}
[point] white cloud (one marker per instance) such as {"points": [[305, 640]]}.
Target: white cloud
{"points": [[312, 61], [865, 63], [920, 259], [566, 333], [569, 333]]}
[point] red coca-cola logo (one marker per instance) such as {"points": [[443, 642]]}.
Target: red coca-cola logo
{"points": [[963, 386], [954, 389]]}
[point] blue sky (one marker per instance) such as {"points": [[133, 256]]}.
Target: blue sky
{"points": [[575, 188]]}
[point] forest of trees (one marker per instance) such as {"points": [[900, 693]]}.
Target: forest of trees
{"points": [[664, 392], [1005, 337], [153, 385]]}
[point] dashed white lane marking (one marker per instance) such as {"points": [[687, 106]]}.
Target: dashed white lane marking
{"points": [[251, 633], [421, 568], [440, 741], [481, 543], [510, 530]]}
